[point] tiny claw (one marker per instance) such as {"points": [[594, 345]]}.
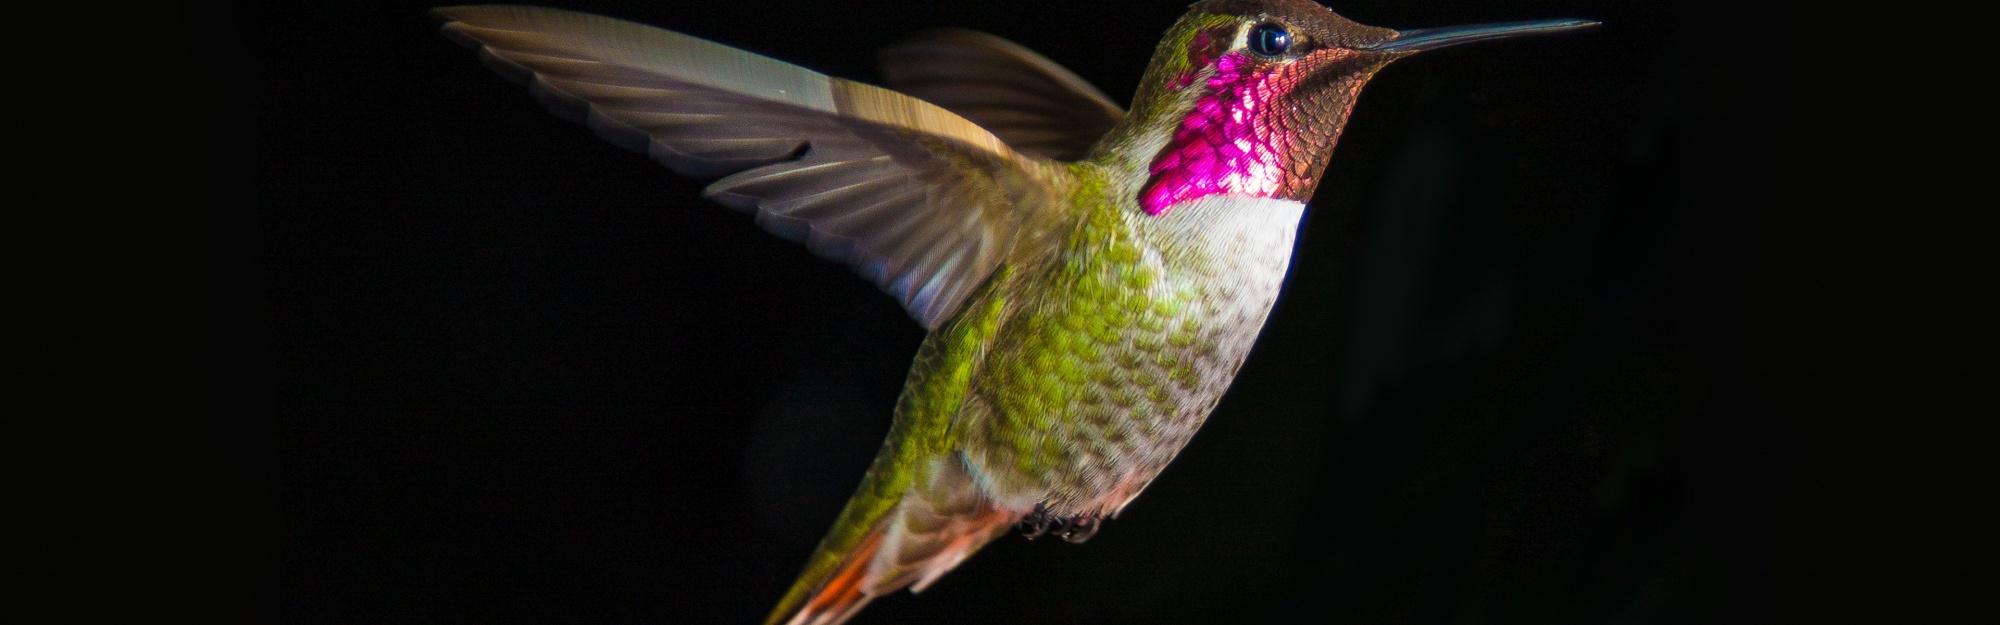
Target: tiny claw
{"points": [[1073, 529], [1080, 528], [1037, 523]]}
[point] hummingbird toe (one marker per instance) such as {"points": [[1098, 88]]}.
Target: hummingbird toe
{"points": [[1074, 528]]}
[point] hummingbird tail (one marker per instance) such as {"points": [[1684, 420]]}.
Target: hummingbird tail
{"points": [[912, 542], [843, 595]]}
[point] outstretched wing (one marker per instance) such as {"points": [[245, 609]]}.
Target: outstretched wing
{"points": [[1035, 105], [919, 200]]}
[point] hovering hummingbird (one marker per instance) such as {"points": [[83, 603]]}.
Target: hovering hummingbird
{"points": [[1091, 277]]}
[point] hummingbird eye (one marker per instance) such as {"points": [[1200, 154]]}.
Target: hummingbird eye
{"points": [[1269, 39]]}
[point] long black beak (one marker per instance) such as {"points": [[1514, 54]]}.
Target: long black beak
{"points": [[1433, 38]]}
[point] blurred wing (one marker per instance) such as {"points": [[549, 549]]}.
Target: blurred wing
{"points": [[1035, 105], [915, 198]]}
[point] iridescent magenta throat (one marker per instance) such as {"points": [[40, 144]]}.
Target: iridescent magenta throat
{"points": [[1228, 144]]}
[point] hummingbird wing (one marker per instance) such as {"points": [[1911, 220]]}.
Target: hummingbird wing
{"points": [[917, 199], [1035, 105]]}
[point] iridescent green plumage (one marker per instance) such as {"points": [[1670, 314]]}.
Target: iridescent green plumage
{"points": [[1078, 339], [1077, 372]]}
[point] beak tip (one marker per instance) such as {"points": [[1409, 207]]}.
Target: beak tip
{"points": [[1422, 39]]}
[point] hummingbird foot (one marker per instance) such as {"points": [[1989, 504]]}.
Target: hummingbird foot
{"points": [[1036, 524], [1074, 529]]}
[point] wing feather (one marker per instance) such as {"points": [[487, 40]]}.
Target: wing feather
{"points": [[1034, 104], [918, 199]]}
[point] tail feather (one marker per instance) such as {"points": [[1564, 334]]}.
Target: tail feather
{"points": [[833, 586], [908, 544], [931, 544], [846, 593]]}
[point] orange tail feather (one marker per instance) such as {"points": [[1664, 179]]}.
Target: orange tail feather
{"points": [[842, 596], [910, 541]]}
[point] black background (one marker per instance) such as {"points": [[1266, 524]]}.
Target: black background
{"points": [[472, 364]]}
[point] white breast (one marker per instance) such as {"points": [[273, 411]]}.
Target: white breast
{"points": [[1243, 242]]}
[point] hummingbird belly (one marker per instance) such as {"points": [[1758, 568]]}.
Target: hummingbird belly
{"points": [[1119, 349]]}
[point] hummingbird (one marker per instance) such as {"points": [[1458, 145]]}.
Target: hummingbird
{"points": [[1091, 277]]}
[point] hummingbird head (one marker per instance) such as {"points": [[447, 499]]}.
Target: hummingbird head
{"points": [[1247, 97]]}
